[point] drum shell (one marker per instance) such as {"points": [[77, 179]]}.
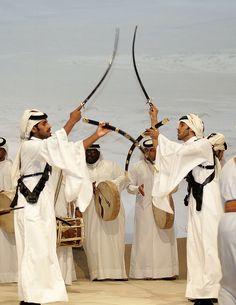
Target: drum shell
{"points": [[7, 220], [107, 200], [164, 220], [70, 233]]}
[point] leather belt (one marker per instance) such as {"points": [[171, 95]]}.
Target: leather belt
{"points": [[230, 206]]}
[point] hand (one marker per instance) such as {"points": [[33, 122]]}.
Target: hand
{"points": [[153, 111], [101, 130], [141, 189], [75, 115], [152, 133]]}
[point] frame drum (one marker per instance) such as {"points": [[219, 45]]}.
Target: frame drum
{"points": [[107, 200], [163, 219], [7, 220]]}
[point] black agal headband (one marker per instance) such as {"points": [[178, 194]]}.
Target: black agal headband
{"points": [[2, 141], [36, 117]]}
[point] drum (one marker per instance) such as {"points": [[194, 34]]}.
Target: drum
{"points": [[70, 232], [7, 220], [163, 219], [107, 200]]}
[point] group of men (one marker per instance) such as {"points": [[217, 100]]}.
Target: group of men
{"points": [[41, 156]]}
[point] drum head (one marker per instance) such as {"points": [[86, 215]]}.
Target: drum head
{"points": [[107, 200], [163, 219], [6, 220]]}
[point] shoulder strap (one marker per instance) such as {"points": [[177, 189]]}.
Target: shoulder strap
{"points": [[31, 197]]}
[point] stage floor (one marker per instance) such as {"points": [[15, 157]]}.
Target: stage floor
{"points": [[132, 292]]}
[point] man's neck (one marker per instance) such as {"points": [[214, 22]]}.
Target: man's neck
{"points": [[190, 139]]}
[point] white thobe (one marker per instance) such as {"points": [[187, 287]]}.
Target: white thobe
{"points": [[154, 250], [40, 279], [105, 240], [174, 162], [65, 253], [227, 237], [8, 257]]}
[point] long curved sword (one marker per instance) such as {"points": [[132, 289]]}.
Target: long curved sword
{"points": [[107, 70], [138, 139], [88, 97], [164, 121], [121, 132], [136, 69]]}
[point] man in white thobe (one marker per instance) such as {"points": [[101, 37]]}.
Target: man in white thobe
{"points": [[154, 250], [39, 274], [227, 236], [195, 160], [8, 258], [104, 240]]}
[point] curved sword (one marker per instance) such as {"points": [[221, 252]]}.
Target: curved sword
{"points": [[107, 70], [138, 139], [89, 96], [136, 69], [121, 132]]}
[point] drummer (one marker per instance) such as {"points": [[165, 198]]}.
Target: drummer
{"points": [[104, 240], [154, 250], [8, 257], [40, 279]]}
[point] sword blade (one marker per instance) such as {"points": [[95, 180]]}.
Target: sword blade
{"points": [[136, 69], [108, 67]]}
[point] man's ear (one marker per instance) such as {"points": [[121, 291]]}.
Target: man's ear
{"points": [[191, 131], [34, 129]]}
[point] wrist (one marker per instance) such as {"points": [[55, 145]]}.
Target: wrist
{"points": [[154, 128]]}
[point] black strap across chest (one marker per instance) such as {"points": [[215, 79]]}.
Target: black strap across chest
{"points": [[197, 188], [31, 197]]}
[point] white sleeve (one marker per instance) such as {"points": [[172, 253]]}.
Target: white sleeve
{"points": [[132, 188], [174, 161], [70, 157]]}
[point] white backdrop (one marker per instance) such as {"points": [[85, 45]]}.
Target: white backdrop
{"points": [[54, 51]]}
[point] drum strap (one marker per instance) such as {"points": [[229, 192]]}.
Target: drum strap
{"points": [[197, 188], [31, 197]]}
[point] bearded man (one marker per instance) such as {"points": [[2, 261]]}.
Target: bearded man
{"points": [[194, 159], [40, 279]]}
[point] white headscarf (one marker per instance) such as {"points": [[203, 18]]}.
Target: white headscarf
{"points": [[28, 120], [217, 140], [3, 144], [195, 123]]}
